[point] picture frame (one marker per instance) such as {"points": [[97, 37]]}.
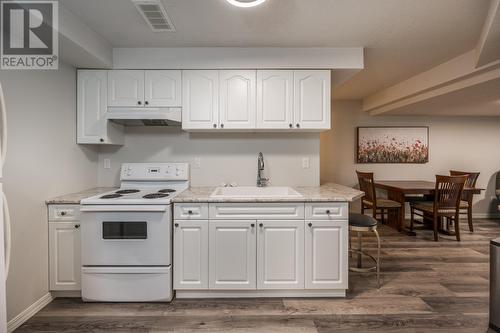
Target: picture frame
{"points": [[392, 144]]}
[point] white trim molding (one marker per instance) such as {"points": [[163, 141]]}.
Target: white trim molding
{"points": [[29, 312], [239, 58]]}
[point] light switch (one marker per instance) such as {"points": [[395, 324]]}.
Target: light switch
{"points": [[107, 163], [305, 162], [197, 163]]}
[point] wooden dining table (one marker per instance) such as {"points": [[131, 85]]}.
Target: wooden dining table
{"points": [[401, 191]]}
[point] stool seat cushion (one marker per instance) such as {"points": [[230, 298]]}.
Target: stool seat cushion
{"points": [[360, 220]]}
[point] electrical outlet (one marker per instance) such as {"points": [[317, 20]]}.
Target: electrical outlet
{"points": [[197, 163], [305, 162], [107, 163]]}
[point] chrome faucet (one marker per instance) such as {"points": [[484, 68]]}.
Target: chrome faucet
{"points": [[261, 181]]}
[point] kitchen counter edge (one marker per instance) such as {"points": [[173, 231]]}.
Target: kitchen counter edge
{"points": [[329, 192], [75, 198]]}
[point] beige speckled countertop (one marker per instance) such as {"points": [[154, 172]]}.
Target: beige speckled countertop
{"points": [[325, 193], [74, 198]]}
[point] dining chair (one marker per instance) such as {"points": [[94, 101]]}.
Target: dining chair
{"points": [[497, 187], [370, 200], [447, 195], [467, 196]]}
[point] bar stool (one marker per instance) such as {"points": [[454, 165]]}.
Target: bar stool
{"points": [[363, 223]]}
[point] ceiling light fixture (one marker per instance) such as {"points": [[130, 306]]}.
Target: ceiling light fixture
{"points": [[246, 3]]}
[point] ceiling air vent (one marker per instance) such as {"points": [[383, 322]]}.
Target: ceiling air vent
{"points": [[155, 15]]}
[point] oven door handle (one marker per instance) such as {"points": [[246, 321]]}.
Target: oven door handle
{"points": [[123, 208]]}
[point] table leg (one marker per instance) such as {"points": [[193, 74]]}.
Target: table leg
{"points": [[396, 217]]}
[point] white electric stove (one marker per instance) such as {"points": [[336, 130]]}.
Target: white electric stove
{"points": [[127, 235]]}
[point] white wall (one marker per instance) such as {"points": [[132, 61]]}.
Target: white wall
{"points": [[225, 157], [43, 160], [460, 143]]}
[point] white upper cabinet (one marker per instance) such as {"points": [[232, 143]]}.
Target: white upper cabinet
{"points": [[312, 99], [274, 99], [93, 127], [237, 99], [162, 88], [200, 99], [280, 254], [125, 88]]}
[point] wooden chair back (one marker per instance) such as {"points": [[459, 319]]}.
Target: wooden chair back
{"points": [[470, 183], [366, 184], [497, 187], [448, 192]]}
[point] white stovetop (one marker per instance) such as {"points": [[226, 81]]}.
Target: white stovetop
{"points": [[136, 198]]}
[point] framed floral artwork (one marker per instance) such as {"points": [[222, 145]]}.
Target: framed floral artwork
{"points": [[393, 145]]}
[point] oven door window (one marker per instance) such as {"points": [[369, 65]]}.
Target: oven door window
{"points": [[124, 230]]}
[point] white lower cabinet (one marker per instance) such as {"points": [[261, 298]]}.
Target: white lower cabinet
{"points": [[326, 265], [64, 254], [280, 254], [232, 257], [233, 254], [191, 254]]}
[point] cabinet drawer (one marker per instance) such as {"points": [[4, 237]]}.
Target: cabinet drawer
{"points": [[274, 211], [64, 212], [191, 211], [327, 211]]}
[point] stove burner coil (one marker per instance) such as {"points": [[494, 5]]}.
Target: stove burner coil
{"points": [[111, 196], [166, 190], [155, 195], [126, 191]]}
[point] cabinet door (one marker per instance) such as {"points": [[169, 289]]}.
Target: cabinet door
{"points": [[126, 88], [191, 255], [64, 255], [326, 254], [237, 99], [91, 106], [275, 99], [200, 99], [312, 99], [162, 88], [232, 251], [280, 255]]}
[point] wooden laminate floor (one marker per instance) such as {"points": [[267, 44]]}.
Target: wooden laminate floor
{"points": [[427, 287]]}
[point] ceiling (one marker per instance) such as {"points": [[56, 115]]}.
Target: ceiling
{"points": [[401, 37]]}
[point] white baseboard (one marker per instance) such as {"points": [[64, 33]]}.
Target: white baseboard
{"points": [[29, 312]]}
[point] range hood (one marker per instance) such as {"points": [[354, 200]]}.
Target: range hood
{"points": [[145, 116]]}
